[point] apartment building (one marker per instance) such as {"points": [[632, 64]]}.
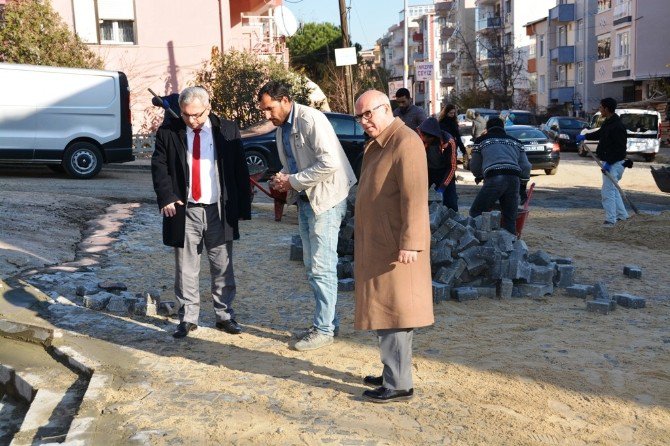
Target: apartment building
{"points": [[160, 44], [632, 47], [503, 44], [538, 64]]}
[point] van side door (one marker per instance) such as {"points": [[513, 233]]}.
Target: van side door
{"points": [[17, 117]]}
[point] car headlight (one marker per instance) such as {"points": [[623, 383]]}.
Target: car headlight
{"points": [[564, 136]]}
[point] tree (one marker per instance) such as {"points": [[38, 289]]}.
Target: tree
{"points": [[33, 33], [499, 76], [234, 78], [313, 47]]}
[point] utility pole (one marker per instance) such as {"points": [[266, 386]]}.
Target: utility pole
{"points": [[348, 82], [405, 69]]}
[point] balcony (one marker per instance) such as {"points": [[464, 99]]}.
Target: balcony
{"points": [[563, 54], [622, 13], [494, 53], [448, 81], [447, 32], [562, 91], [489, 24], [443, 8], [480, 3], [563, 13], [447, 57]]}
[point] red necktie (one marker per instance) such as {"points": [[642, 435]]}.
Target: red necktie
{"points": [[195, 168]]}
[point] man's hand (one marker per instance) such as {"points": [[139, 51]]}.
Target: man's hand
{"points": [[580, 138], [406, 257], [606, 167], [280, 182], [170, 210]]}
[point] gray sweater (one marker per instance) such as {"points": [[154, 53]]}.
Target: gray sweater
{"points": [[498, 154]]}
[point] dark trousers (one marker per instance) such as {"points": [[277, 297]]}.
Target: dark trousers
{"points": [[503, 188], [450, 197]]}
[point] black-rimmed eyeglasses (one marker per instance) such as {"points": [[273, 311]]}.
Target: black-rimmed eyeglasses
{"points": [[196, 116], [367, 114]]}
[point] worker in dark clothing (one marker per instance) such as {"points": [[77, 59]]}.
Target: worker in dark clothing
{"points": [[449, 123], [612, 140], [441, 156]]}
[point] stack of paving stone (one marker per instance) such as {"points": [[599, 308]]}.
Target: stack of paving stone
{"points": [[472, 258]]}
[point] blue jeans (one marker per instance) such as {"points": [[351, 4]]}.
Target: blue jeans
{"points": [[499, 187], [319, 234], [612, 201]]}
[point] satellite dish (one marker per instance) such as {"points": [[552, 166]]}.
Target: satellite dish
{"points": [[286, 22]]}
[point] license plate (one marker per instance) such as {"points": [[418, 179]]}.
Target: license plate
{"points": [[534, 148]]}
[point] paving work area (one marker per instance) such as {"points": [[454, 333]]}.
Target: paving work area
{"points": [[490, 371]]}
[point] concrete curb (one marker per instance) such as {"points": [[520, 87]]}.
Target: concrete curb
{"points": [[26, 332]]}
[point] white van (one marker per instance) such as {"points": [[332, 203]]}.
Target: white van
{"points": [[68, 118], [643, 126]]}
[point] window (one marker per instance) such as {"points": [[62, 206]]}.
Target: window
{"points": [[604, 48], [604, 5], [105, 21], [562, 36], [580, 73], [560, 74], [541, 46], [543, 86], [580, 30], [622, 46], [531, 48]]}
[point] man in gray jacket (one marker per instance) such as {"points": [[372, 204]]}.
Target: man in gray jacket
{"points": [[317, 175], [500, 160]]}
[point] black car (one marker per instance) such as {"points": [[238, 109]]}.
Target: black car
{"points": [[260, 144], [563, 129], [542, 152]]}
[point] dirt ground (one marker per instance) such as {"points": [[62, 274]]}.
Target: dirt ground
{"points": [[510, 372]]}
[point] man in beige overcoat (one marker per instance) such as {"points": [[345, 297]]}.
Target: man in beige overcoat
{"points": [[392, 250]]}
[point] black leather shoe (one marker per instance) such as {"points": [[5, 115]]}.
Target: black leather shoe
{"points": [[374, 381], [229, 326], [384, 395], [183, 328]]}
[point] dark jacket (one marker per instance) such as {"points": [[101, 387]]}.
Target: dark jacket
{"points": [[169, 170], [496, 153], [451, 126], [441, 154], [612, 139]]}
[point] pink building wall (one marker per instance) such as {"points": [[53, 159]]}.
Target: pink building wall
{"points": [[173, 38]]}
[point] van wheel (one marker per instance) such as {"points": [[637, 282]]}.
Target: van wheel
{"points": [[82, 160], [551, 171]]}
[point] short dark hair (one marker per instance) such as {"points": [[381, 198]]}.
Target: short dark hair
{"points": [[494, 122], [402, 93], [609, 104], [276, 90]]}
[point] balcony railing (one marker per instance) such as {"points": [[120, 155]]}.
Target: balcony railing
{"points": [[563, 13], [622, 12], [447, 57], [562, 83], [563, 54], [447, 32], [448, 81], [621, 63], [443, 8], [489, 24]]}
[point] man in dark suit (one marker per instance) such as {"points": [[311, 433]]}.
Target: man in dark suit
{"points": [[202, 185]]}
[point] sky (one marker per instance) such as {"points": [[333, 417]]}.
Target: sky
{"points": [[368, 19]]}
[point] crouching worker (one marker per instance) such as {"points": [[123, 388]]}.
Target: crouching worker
{"points": [[500, 160], [441, 155]]}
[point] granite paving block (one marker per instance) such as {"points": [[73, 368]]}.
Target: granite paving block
{"points": [[542, 274], [600, 292], [578, 290], [540, 258], [534, 290], [632, 271], [599, 306], [441, 292], [462, 294], [565, 275], [504, 288], [345, 285], [629, 300], [296, 253]]}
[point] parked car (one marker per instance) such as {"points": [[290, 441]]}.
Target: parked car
{"points": [[644, 134], [70, 119], [564, 129], [260, 143], [542, 152], [466, 136], [519, 117]]}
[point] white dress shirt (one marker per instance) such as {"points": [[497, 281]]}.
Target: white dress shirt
{"points": [[209, 186]]}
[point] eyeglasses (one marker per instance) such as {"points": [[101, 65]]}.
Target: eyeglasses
{"points": [[367, 114], [196, 116]]}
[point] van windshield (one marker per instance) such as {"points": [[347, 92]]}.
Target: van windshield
{"points": [[640, 123]]}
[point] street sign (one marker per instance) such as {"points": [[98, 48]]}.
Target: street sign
{"points": [[345, 56], [424, 71]]}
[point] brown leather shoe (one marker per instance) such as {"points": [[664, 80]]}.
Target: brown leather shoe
{"points": [[384, 395], [183, 328]]}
